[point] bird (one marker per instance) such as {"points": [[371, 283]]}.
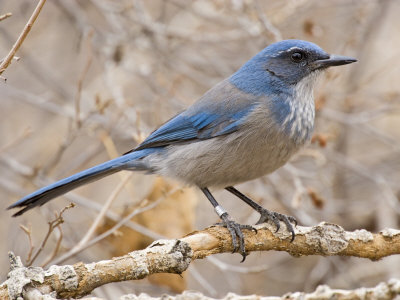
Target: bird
{"points": [[244, 127]]}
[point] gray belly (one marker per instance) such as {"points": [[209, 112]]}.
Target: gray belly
{"points": [[225, 160]]}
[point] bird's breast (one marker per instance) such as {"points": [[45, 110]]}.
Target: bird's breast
{"points": [[294, 113]]}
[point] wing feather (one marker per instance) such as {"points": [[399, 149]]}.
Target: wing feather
{"points": [[198, 126]]}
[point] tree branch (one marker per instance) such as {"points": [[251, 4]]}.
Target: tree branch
{"points": [[383, 291], [175, 256], [5, 16], [7, 60], [325, 239]]}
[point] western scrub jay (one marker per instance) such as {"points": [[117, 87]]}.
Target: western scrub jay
{"points": [[246, 126]]}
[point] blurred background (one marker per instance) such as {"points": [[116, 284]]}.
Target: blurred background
{"points": [[96, 77]]}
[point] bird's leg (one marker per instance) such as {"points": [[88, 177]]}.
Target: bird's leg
{"points": [[235, 229], [266, 214]]}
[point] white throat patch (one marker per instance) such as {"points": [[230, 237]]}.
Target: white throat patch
{"points": [[301, 118]]}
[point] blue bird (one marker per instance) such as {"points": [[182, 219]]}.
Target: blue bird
{"points": [[246, 126]]}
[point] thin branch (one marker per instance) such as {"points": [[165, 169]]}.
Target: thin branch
{"points": [[266, 22], [224, 267], [28, 232], [7, 60], [19, 138], [204, 282], [103, 211], [113, 229], [56, 249], [82, 77], [175, 256], [5, 16], [382, 291], [52, 225]]}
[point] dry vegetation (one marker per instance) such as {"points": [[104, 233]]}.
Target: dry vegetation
{"points": [[95, 77]]}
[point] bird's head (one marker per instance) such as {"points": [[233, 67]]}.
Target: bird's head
{"points": [[293, 60], [284, 64]]}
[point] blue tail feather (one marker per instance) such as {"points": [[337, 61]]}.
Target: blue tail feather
{"points": [[65, 185]]}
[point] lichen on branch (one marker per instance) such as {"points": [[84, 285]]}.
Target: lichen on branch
{"points": [[175, 256]]}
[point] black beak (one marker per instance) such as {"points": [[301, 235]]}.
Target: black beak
{"points": [[333, 60]]}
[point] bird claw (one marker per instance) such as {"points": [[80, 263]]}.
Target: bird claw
{"points": [[235, 229], [276, 218]]}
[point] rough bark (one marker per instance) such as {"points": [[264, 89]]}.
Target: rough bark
{"points": [[175, 256]]}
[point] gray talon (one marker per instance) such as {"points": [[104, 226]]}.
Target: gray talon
{"points": [[235, 229], [276, 218]]}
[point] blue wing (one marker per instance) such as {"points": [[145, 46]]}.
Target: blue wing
{"points": [[203, 125]]}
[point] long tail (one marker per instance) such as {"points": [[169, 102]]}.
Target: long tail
{"points": [[43, 195]]}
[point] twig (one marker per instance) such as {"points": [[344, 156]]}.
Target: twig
{"points": [[224, 267], [102, 213], [56, 249], [7, 60], [27, 131], [52, 225], [82, 77], [28, 231], [204, 282], [5, 16], [113, 229], [82, 244], [267, 23]]}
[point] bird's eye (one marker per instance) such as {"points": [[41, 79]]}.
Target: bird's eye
{"points": [[297, 56]]}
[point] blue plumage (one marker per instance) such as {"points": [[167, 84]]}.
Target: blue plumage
{"points": [[247, 126], [177, 129], [63, 186], [271, 73], [202, 125]]}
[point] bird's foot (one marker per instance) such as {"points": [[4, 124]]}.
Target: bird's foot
{"points": [[276, 218], [235, 229]]}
